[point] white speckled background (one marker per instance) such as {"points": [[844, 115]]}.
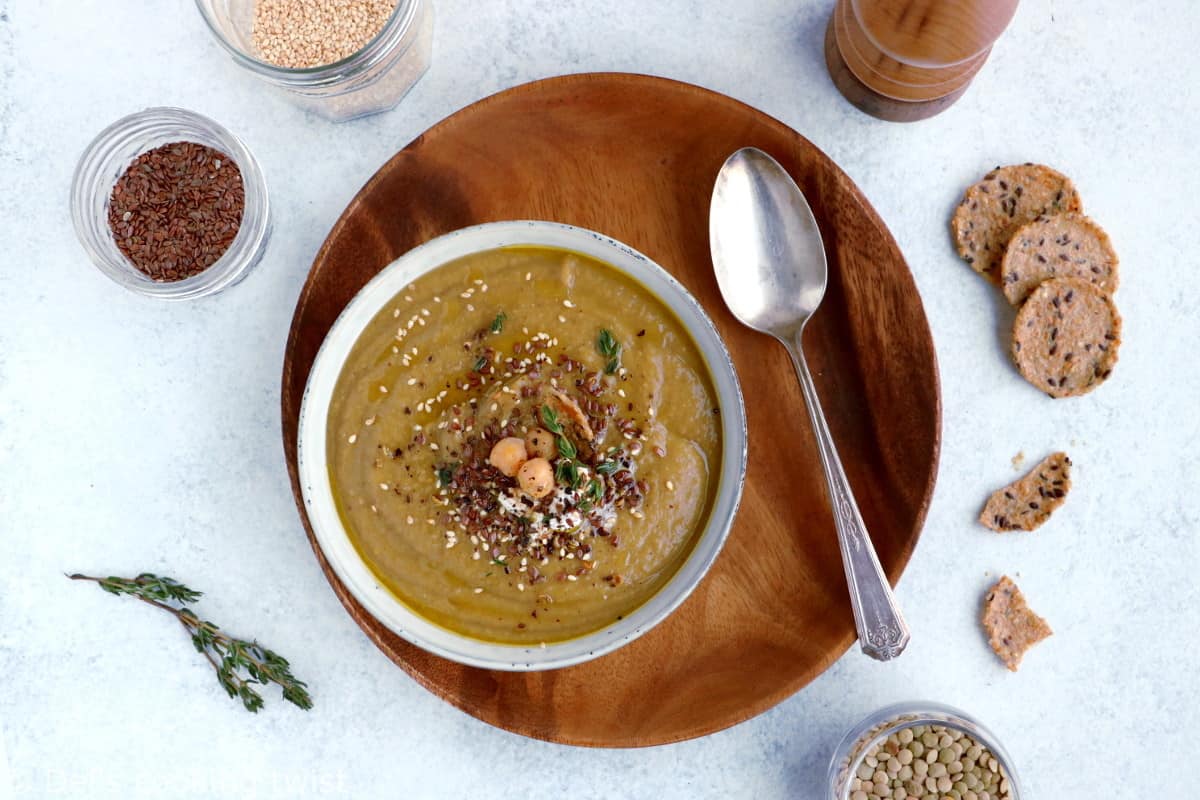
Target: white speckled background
{"points": [[137, 435]]}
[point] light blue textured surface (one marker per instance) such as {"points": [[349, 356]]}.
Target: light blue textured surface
{"points": [[137, 435]]}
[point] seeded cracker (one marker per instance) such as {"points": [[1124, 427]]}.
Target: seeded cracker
{"points": [[1011, 627], [1061, 246], [1066, 336], [1025, 504], [1005, 199]]}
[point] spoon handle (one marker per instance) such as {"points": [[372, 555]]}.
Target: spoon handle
{"points": [[882, 631]]}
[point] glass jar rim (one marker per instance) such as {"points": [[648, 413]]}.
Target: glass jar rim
{"points": [[389, 36], [877, 726]]}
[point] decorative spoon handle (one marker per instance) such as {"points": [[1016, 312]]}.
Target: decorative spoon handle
{"points": [[882, 631]]}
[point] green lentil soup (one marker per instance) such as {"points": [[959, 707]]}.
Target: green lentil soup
{"points": [[524, 445]]}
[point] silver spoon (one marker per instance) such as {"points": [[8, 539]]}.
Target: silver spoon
{"points": [[771, 268]]}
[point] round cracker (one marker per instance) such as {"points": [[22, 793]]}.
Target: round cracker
{"points": [[1066, 245], [1006, 198], [1066, 336]]}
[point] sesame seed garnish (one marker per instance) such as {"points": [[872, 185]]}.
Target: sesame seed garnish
{"points": [[395, 349], [433, 446], [352, 438], [478, 589], [416, 427], [437, 299], [528, 276], [621, 392], [408, 298], [520, 587], [636, 514], [409, 519], [369, 421], [483, 287], [670, 486], [561, 318], [412, 381], [395, 312], [568, 304], [421, 320], [383, 388], [470, 307], [572, 577], [374, 510], [425, 312], [384, 486]]}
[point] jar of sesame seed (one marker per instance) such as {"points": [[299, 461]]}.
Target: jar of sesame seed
{"points": [[341, 59]]}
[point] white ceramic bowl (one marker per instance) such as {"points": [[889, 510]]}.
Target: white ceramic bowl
{"points": [[318, 494]]}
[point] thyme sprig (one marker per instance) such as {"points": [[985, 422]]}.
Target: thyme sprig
{"points": [[610, 348], [566, 471], [238, 663]]}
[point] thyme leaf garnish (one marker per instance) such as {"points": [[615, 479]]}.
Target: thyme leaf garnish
{"points": [[498, 322], [610, 348]]}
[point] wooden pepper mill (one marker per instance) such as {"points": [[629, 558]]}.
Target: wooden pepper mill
{"points": [[905, 60]]}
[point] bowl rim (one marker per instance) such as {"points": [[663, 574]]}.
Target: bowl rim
{"points": [[347, 563]]}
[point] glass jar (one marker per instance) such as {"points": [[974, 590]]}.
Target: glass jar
{"points": [[877, 727], [374, 79], [105, 161]]}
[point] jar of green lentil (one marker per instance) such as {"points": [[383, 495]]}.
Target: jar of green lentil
{"points": [[340, 60], [921, 751]]}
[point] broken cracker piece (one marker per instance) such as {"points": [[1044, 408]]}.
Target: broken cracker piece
{"points": [[1011, 627], [1025, 504]]}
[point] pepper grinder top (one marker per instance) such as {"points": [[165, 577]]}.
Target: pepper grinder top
{"points": [[905, 60]]}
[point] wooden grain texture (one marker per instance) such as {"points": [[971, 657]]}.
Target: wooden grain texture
{"points": [[635, 157]]}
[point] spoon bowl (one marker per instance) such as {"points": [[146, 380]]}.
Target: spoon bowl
{"points": [[771, 269], [767, 248]]}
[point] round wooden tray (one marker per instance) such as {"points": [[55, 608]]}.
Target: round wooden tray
{"points": [[635, 157]]}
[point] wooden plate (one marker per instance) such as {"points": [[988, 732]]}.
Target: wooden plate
{"points": [[635, 157]]}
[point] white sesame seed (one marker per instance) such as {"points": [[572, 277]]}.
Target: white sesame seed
{"points": [[568, 304], [433, 446], [409, 519], [412, 381], [478, 589], [383, 486], [374, 510], [520, 587], [352, 438], [383, 388], [395, 349], [369, 421], [528, 276], [437, 299], [483, 287], [670, 486], [396, 312], [408, 298], [572, 578], [422, 321], [416, 427], [465, 295], [470, 307], [621, 392]]}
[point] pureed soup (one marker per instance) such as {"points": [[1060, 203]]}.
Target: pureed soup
{"points": [[524, 445]]}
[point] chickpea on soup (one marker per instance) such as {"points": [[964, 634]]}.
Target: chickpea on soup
{"points": [[524, 445]]}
